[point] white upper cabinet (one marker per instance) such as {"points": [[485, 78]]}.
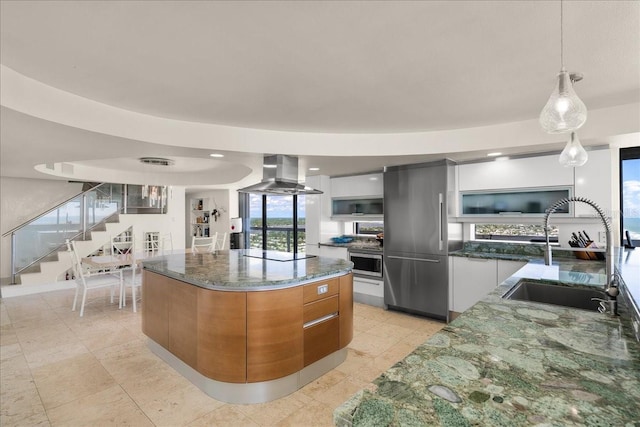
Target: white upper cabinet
{"points": [[369, 185], [530, 172], [593, 181]]}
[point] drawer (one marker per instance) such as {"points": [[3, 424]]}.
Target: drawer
{"points": [[321, 289], [317, 309], [321, 340]]}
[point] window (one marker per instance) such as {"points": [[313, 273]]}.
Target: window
{"points": [[277, 222], [514, 232], [369, 227], [630, 194]]}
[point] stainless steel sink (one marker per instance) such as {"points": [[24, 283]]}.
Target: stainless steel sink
{"points": [[556, 293]]}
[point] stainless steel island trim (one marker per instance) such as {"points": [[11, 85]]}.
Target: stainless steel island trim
{"points": [[247, 393]]}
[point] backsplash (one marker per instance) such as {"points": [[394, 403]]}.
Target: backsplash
{"points": [[528, 250]]}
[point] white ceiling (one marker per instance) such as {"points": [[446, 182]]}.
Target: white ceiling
{"points": [[328, 81]]}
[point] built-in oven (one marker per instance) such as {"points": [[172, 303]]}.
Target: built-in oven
{"points": [[366, 263]]}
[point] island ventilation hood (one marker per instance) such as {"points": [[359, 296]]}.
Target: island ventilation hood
{"points": [[280, 176]]}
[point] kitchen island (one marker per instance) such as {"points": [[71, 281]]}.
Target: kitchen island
{"points": [[248, 326], [517, 363]]}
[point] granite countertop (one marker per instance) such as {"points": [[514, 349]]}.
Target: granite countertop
{"points": [[370, 246], [245, 269], [512, 363]]}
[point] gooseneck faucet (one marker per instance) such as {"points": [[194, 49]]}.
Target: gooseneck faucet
{"points": [[611, 285]]}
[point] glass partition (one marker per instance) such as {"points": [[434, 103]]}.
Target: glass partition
{"points": [[49, 232]]}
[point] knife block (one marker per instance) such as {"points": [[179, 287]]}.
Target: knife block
{"points": [[587, 255]]}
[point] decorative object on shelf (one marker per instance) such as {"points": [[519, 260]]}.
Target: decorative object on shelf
{"points": [[574, 154], [217, 211], [564, 111]]}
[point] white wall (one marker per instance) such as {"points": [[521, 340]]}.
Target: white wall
{"points": [[22, 199], [226, 201]]}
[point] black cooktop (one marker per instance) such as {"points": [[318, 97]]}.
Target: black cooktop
{"points": [[276, 255]]}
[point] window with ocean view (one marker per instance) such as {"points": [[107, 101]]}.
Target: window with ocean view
{"points": [[630, 194]]}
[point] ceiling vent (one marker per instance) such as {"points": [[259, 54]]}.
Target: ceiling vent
{"points": [[157, 161]]}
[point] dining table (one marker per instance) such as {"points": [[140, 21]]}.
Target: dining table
{"points": [[126, 260]]}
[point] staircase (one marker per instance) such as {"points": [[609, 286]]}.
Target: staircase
{"points": [[54, 268]]}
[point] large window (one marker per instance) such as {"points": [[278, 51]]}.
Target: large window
{"points": [[630, 194], [272, 219], [514, 232]]}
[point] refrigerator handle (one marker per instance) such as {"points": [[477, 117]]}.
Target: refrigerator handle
{"points": [[440, 219]]}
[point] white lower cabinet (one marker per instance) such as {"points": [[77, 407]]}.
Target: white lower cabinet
{"points": [[506, 269], [368, 291], [471, 279]]}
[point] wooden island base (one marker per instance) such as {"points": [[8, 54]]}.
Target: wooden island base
{"points": [[249, 346]]}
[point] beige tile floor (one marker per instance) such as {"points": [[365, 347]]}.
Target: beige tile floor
{"points": [[62, 370]]}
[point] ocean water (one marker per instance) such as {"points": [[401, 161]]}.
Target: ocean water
{"points": [[633, 225]]}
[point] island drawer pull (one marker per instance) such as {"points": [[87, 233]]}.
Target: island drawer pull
{"points": [[319, 320]]}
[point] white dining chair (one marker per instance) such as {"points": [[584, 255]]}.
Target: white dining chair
{"points": [[121, 244], [87, 279], [221, 239], [132, 276], [203, 244]]}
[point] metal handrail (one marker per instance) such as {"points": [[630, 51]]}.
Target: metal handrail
{"points": [[97, 190], [56, 249], [24, 224]]}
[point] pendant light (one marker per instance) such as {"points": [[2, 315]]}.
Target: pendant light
{"points": [[564, 111], [573, 154]]}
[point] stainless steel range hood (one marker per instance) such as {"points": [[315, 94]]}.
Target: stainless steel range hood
{"points": [[280, 176]]}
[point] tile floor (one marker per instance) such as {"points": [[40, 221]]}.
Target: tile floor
{"points": [[62, 370]]}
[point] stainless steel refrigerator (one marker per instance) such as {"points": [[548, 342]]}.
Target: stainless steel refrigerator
{"points": [[418, 237]]}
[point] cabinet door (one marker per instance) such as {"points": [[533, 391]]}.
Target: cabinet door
{"points": [[222, 335], [418, 284], [507, 268], [368, 286], [357, 186], [274, 334], [473, 278], [183, 322], [593, 181], [155, 307], [543, 171]]}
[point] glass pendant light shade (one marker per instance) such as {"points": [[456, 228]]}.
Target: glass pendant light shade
{"points": [[564, 112], [573, 154]]}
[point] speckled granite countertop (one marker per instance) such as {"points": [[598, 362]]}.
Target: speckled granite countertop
{"points": [[245, 269], [370, 245], [515, 363]]}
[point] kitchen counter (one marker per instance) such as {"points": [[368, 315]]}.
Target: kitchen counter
{"points": [[508, 362], [245, 269], [359, 245]]}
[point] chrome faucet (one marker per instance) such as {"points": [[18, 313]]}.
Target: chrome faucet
{"points": [[611, 283]]}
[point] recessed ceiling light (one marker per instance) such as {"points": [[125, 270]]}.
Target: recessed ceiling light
{"points": [[314, 169], [270, 166], [497, 153], [216, 155], [373, 178]]}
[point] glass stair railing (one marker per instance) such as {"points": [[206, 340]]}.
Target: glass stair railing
{"points": [[40, 238]]}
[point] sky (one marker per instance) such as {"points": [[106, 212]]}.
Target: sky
{"points": [[631, 188], [277, 206]]}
